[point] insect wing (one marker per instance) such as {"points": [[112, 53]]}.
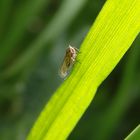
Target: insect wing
{"points": [[65, 66]]}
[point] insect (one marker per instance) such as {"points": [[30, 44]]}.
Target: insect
{"points": [[69, 59]]}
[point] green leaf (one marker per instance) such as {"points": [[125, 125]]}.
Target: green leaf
{"points": [[135, 134], [122, 97], [110, 37]]}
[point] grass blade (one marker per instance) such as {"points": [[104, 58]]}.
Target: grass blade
{"points": [[113, 115], [110, 37], [135, 134]]}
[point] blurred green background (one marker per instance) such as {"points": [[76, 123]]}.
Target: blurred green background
{"points": [[33, 37]]}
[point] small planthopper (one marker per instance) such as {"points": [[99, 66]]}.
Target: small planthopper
{"points": [[69, 60]]}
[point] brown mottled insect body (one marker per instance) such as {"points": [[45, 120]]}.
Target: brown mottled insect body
{"points": [[69, 59]]}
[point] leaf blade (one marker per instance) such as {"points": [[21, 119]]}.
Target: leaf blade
{"points": [[100, 53]]}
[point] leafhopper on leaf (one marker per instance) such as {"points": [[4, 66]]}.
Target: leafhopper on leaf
{"points": [[69, 60]]}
